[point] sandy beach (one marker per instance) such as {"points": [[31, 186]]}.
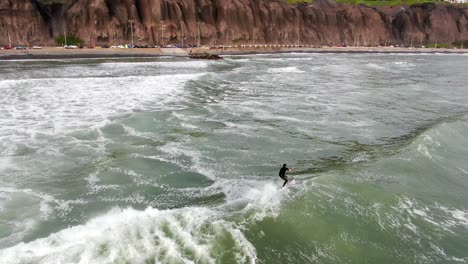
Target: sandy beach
{"points": [[60, 53]]}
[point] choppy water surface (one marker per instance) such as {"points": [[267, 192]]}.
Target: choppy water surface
{"points": [[176, 161]]}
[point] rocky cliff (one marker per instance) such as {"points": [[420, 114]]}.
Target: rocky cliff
{"points": [[323, 22]]}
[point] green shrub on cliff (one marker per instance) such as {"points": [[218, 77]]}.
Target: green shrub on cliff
{"points": [[440, 45], [70, 41], [461, 44]]}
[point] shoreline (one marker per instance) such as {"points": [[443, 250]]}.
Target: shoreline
{"points": [[60, 53]]}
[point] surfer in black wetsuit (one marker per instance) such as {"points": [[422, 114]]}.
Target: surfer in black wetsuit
{"points": [[282, 174]]}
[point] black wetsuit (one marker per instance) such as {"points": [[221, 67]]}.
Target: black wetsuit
{"points": [[282, 174], [283, 171]]}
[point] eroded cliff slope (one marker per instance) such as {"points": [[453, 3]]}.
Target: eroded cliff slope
{"points": [[32, 22]]}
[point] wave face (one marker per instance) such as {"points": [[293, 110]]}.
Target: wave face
{"points": [[175, 161]]}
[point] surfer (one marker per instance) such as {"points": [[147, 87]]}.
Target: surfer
{"points": [[282, 174]]}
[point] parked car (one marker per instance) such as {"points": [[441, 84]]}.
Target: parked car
{"points": [[105, 46], [36, 47], [7, 47], [71, 47], [20, 47]]}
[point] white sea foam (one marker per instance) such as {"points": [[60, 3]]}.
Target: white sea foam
{"points": [[18, 230], [39, 113], [426, 145], [437, 215], [36, 206], [93, 185], [424, 150], [360, 157], [175, 152], [67, 103], [5, 162], [285, 70], [128, 235], [254, 199], [47, 204], [404, 64], [375, 66], [165, 64], [430, 140], [163, 236], [236, 59], [454, 216]]}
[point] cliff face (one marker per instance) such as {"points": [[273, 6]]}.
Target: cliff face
{"points": [[229, 21]]}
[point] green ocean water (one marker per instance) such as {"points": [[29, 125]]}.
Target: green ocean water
{"points": [[170, 160]]}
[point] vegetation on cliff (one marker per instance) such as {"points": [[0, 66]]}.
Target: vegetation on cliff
{"points": [[60, 40], [387, 2], [461, 44], [50, 2], [375, 2]]}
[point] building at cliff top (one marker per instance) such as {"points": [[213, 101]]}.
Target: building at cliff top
{"points": [[458, 1]]}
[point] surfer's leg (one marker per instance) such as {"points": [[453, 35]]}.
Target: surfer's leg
{"points": [[285, 180]]}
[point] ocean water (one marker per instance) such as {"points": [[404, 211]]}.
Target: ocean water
{"points": [[171, 160]]}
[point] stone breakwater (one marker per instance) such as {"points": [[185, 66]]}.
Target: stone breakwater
{"points": [[322, 22]]}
